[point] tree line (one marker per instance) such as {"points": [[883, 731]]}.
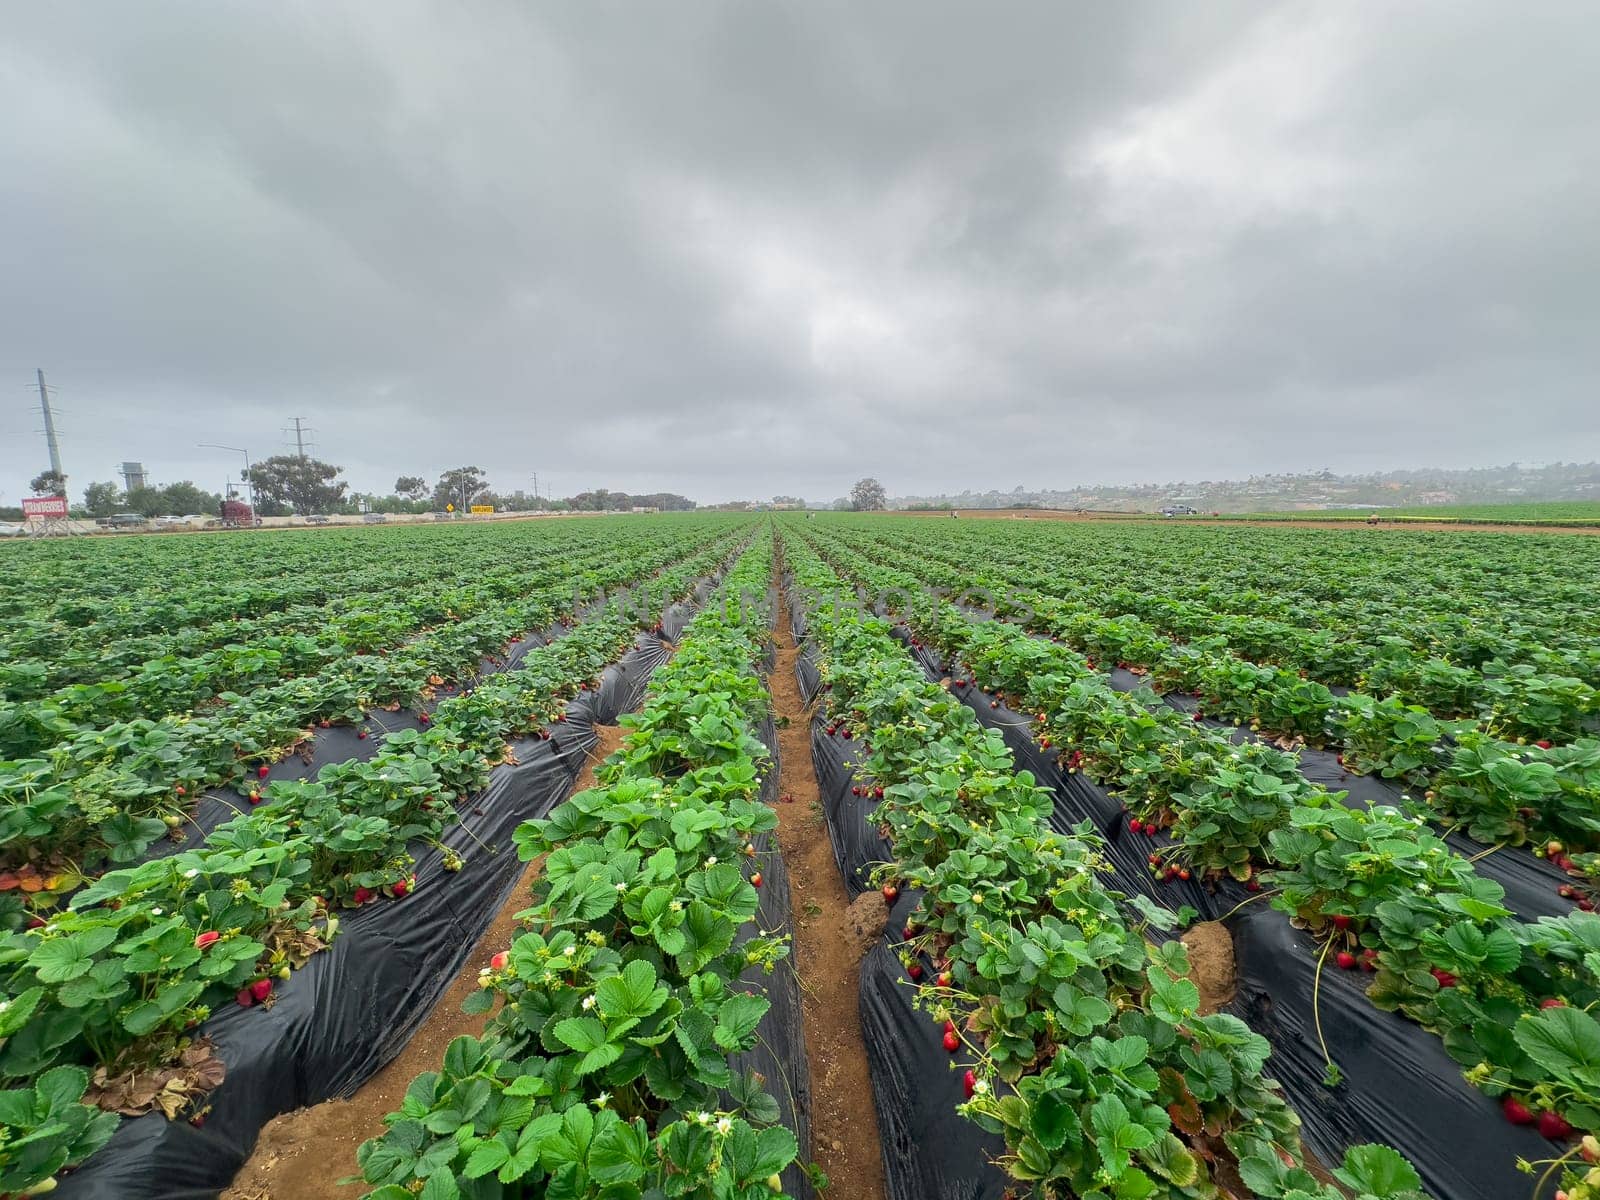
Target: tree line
{"points": [[287, 483]]}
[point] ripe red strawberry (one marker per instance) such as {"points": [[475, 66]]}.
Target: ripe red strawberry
{"points": [[1253, 885], [424, 718], [255, 797], [263, 770], [1341, 922], [243, 998], [362, 734], [1198, 716], [1516, 1111], [401, 887], [945, 979], [208, 938], [755, 880], [1346, 960], [499, 961], [1184, 874], [949, 1027], [890, 892], [1136, 825], [877, 793], [909, 932], [915, 971], [1543, 744], [261, 989], [1554, 1126], [325, 723], [180, 790], [1553, 1002], [952, 1043], [363, 895], [36, 922], [1445, 978], [969, 1083]]}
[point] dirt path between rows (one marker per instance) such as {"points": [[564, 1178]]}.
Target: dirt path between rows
{"points": [[829, 941], [302, 1154]]}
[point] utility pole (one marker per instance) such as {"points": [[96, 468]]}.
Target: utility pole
{"points": [[299, 437], [50, 429]]}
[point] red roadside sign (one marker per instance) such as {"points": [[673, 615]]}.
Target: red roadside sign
{"points": [[44, 506]]}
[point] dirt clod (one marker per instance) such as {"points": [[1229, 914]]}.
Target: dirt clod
{"points": [[867, 917], [1211, 964]]}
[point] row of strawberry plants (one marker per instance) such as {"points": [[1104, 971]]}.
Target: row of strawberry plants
{"points": [[1533, 701], [107, 795], [86, 636], [605, 1072], [376, 628], [1510, 1000], [1500, 792], [1467, 601], [123, 977], [43, 654], [128, 587], [333, 840], [125, 602], [1089, 1055]]}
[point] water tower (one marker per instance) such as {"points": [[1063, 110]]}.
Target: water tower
{"points": [[133, 476]]}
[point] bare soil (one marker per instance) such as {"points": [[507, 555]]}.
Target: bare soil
{"points": [[301, 1155], [830, 937]]}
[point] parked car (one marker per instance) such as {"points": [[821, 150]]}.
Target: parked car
{"points": [[375, 519], [316, 519], [123, 521], [1179, 510], [7, 529]]}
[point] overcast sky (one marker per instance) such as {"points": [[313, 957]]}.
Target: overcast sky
{"points": [[738, 249]]}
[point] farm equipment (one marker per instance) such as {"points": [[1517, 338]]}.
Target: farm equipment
{"points": [[236, 514]]}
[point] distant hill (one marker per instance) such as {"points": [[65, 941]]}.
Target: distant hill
{"points": [[1426, 487]]}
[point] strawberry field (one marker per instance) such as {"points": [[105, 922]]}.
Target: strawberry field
{"points": [[1373, 760], [260, 795]]}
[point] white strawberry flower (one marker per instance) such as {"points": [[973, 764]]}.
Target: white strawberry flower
{"points": [[622, 887], [602, 1099], [570, 951], [191, 873], [711, 861], [588, 1003], [724, 1126]]}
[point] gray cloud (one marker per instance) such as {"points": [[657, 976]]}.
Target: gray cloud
{"points": [[733, 249]]}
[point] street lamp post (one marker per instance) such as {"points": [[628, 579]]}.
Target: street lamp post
{"points": [[248, 481]]}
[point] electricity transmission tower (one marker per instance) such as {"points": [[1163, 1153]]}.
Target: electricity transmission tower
{"points": [[301, 431]]}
